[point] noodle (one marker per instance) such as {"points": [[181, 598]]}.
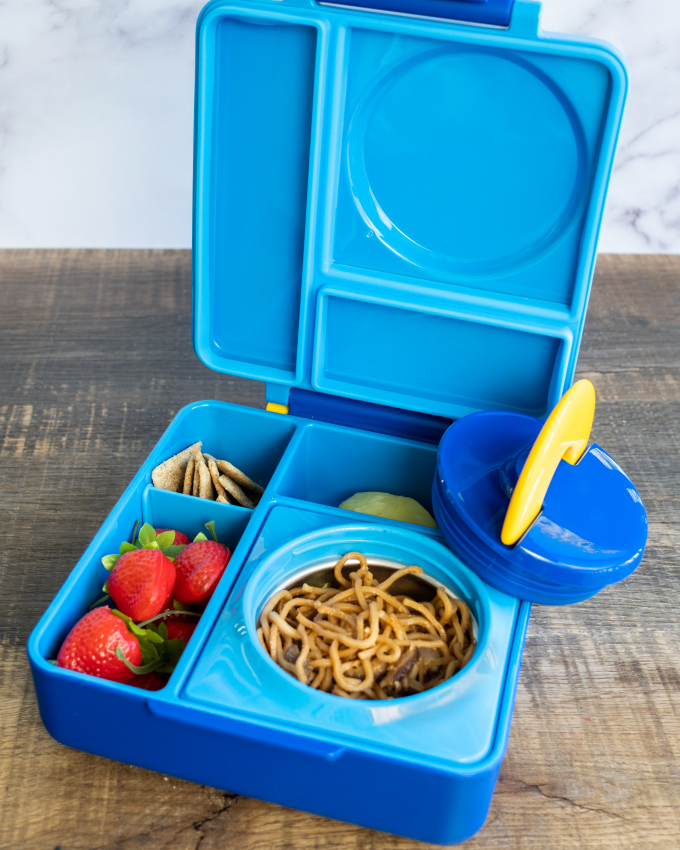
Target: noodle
{"points": [[358, 641]]}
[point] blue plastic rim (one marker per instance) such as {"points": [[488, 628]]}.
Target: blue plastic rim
{"points": [[591, 531]]}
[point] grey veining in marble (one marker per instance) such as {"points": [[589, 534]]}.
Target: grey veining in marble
{"points": [[96, 106]]}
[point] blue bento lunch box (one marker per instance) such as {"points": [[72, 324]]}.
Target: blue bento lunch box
{"points": [[396, 210]]}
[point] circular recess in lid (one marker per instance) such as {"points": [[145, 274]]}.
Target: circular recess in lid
{"points": [[467, 161]]}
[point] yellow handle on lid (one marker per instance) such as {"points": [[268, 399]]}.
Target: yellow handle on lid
{"points": [[564, 436]]}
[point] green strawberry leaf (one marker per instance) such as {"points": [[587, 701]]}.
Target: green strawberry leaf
{"points": [[158, 651], [199, 536], [147, 534], [173, 550], [137, 631], [105, 588], [179, 607], [146, 667], [174, 649], [149, 651], [110, 561], [167, 538], [211, 528], [127, 547]]}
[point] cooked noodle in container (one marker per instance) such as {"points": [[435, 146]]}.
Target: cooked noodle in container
{"points": [[369, 629]]}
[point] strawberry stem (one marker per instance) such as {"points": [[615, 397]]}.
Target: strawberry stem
{"points": [[168, 614], [139, 671], [211, 528], [99, 601], [134, 531]]}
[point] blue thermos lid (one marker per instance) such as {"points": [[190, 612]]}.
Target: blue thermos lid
{"points": [[533, 509]]}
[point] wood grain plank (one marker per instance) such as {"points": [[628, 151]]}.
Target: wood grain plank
{"points": [[96, 358]]}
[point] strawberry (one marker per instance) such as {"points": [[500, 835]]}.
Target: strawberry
{"points": [[149, 682], [180, 539], [178, 613], [90, 647], [199, 568], [179, 630], [142, 582]]}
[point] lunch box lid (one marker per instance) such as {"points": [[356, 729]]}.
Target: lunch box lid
{"points": [[533, 509], [394, 208]]}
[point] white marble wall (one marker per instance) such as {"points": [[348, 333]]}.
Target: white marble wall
{"points": [[96, 121]]}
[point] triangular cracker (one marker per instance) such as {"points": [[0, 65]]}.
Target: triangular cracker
{"points": [[169, 475], [215, 475], [189, 478], [235, 491], [197, 475], [237, 476], [205, 487]]}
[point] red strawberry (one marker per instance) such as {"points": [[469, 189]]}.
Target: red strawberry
{"points": [[90, 647], [176, 616], [199, 569], [142, 582], [149, 682], [180, 539], [179, 630]]}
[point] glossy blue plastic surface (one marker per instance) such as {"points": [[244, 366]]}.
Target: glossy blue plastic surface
{"points": [[591, 531], [247, 724], [494, 13], [410, 424], [397, 210]]}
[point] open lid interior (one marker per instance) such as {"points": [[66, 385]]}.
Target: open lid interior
{"points": [[394, 209]]}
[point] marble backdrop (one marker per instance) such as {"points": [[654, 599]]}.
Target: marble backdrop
{"points": [[96, 103]]}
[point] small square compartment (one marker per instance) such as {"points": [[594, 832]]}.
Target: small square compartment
{"points": [[189, 515], [330, 463], [252, 440]]}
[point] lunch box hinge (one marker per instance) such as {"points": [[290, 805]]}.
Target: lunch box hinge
{"points": [[380, 418], [494, 13]]}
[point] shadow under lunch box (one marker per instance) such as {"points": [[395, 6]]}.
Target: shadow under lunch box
{"points": [[396, 213]]}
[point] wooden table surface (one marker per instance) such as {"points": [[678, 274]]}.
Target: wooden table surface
{"points": [[95, 359]]}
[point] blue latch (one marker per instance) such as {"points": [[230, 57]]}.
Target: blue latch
{"points": [[489, 12]]}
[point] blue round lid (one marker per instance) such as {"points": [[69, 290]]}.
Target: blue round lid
{"points": [[591, 527]]}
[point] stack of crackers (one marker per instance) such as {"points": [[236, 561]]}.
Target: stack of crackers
{"points": [[200, 474]]}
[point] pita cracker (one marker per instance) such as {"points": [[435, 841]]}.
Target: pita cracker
{"points": [[215, 475], [205, 486], [189, 478], [235, 492], [239, 477], [169, 475], [197, 475], [221, 498]]}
